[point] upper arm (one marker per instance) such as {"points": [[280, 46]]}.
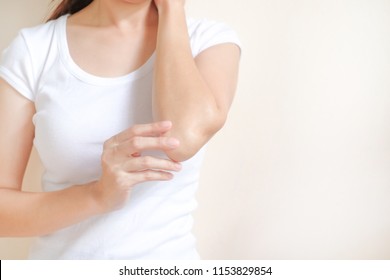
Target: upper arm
{"points": [[16, 135], [218, 66]]}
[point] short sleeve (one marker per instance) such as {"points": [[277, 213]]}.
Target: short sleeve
{"points": [[16, 67], [206, 33]]}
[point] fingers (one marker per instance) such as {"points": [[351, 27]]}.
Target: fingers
{"points": [[150, 163], [123, 165], [151, 175], [145, 130], [122, 154], [138, 144]]}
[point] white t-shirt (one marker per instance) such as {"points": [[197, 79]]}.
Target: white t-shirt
{"points": [[75, 113]]}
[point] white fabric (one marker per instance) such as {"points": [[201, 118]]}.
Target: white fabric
{"points": [[75, 113]]}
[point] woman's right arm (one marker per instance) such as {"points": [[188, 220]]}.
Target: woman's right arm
{"points": [[35, 214], [23, 213]]}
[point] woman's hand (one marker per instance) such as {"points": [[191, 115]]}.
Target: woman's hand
{"points": [[123, 166], [165, 4]]}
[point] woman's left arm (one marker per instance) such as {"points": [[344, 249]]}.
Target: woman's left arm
{"points": [[194, 93]]}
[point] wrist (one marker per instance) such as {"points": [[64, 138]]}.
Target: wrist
{"points": [[166, 8], [96, 198]]}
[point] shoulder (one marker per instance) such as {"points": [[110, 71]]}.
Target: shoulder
{"points": [[205, 33], [41, 34], [204, 25], [23, 60], [33, 42]]}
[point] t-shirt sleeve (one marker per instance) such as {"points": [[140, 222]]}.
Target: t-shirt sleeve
{"points": [[205, 34], [16, 67]]}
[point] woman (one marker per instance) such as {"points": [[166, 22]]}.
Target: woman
{"points": [[118, 97]]}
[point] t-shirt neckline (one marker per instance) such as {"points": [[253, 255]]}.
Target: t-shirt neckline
{"points": [[83, 75]]}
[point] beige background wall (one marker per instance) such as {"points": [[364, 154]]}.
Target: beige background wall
{"points": [[301, 170]]}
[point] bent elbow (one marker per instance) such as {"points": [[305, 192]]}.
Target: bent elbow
{"points": [[192, 139]]}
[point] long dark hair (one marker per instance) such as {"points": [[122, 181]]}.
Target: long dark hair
{"points": [[68, 7]]}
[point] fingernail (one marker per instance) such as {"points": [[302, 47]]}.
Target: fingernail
{"points": [[172, 142], [177, 166], [166, 124]]}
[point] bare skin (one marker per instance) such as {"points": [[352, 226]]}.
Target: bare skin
{"points": [[193, 94]]}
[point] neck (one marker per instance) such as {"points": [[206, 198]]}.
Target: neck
{"points": [[123, 14]]}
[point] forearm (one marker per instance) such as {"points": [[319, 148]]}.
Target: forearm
{"points": [[180, 93], [25, 214]]}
